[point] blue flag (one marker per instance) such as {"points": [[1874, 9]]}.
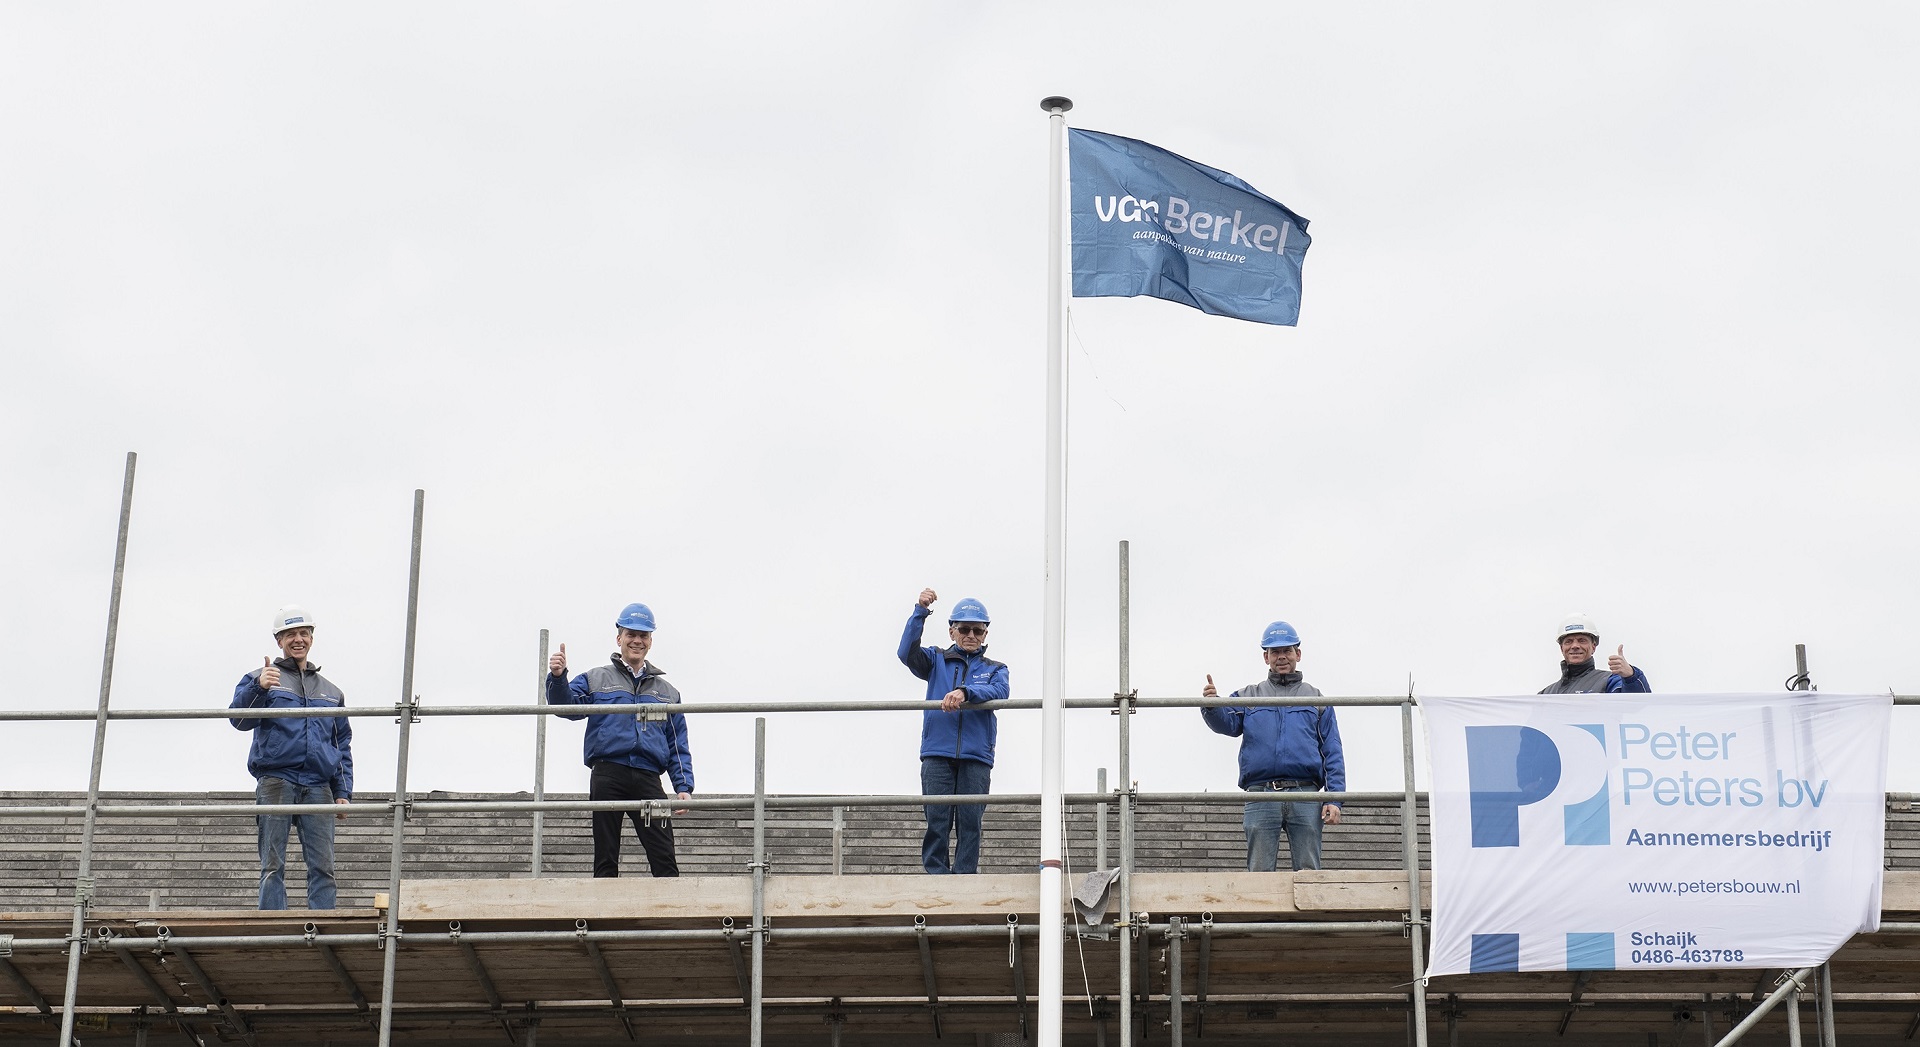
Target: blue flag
{"points": [[1146, 221]]}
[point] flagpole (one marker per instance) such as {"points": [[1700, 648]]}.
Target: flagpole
{"points": [[1053, 649]]}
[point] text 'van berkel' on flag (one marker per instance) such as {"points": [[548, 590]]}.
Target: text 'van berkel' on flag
{"points": [[1147, 221]]}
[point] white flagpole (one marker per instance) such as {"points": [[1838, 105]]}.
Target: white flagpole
{"points": [[1053, 656]]}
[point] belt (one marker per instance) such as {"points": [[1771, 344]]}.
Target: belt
{"points": [[1287, 783]]}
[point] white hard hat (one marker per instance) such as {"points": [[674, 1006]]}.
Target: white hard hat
{"points": [[292, 616], [1575, 624]]}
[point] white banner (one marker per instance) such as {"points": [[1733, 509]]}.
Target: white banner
{"points": [[1631, 832]]}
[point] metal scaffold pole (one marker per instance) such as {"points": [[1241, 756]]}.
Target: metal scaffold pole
{"points": [[1124, 696], [759, 876], [1789, 991], [1410, 845], [83, 880], [540, 756], [391, 935], [1802, 680]]}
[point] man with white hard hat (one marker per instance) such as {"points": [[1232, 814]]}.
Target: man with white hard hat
{"points": [[628, 752], [1579, 638], [307, 759], [956, 739], [1284, 748]]}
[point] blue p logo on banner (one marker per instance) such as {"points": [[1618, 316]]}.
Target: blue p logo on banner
{"points": [[1509, 767]]}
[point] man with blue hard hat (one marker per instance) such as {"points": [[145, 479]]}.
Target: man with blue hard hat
{"points": [[1284, 748], [628, 752], [295, 759], [956, 740], [1578, 638]]}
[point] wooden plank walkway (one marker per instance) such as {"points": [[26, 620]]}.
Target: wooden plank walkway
{"points": [[470, 874]]}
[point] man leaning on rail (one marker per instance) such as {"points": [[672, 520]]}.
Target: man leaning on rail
{"points": [[1578, 639], [957, 739], [295, 759], [628, 752], [1283, 748]]}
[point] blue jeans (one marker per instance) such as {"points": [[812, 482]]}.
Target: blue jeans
{"points": [[316, 843], [941, 776], [1265, 821]]}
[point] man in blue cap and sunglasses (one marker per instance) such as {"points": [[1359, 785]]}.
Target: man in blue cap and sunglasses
{"points": [[628, 753], [1283, 748], [956, 740]]}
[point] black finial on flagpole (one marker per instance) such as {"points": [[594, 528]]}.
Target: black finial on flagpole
{"points": [[1056, 104]]}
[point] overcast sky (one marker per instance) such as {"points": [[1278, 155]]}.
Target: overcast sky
{"points": [[740, 310]]}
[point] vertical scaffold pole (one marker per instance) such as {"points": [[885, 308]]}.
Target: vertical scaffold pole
{"points": [[1827, 1036], [1100, 821], [405, 710], [759, 874], [1802, 680], [540, 757], [1176, 993], [83, 880], [1410, 844], [1125, 697]]}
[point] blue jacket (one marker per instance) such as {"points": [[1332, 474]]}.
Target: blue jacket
{"points": [[964, 734], [1299, 742], [657, 746], [1592, 679], [308, 750]]}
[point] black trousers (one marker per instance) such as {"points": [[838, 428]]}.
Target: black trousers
{"points": [[617, 781]]}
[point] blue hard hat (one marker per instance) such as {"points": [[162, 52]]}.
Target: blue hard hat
{"points": [[637, 616], [1279, 634], [970, 610]]}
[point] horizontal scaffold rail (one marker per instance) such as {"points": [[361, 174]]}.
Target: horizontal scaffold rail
{"points": [[655, 710], [715, 934], [733, 803]]}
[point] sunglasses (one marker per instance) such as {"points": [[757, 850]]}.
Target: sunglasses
{"points": [[970, 630]]}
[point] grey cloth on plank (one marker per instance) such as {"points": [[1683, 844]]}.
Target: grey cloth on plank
{"points": [[1094, 896]]}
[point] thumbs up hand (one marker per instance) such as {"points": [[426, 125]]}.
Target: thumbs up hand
{"points": [[1617, 662], [557, 663], [1208, 691], [269, 675]]}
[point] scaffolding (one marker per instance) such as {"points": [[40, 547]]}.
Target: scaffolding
{"points": [[1133, 931]]}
